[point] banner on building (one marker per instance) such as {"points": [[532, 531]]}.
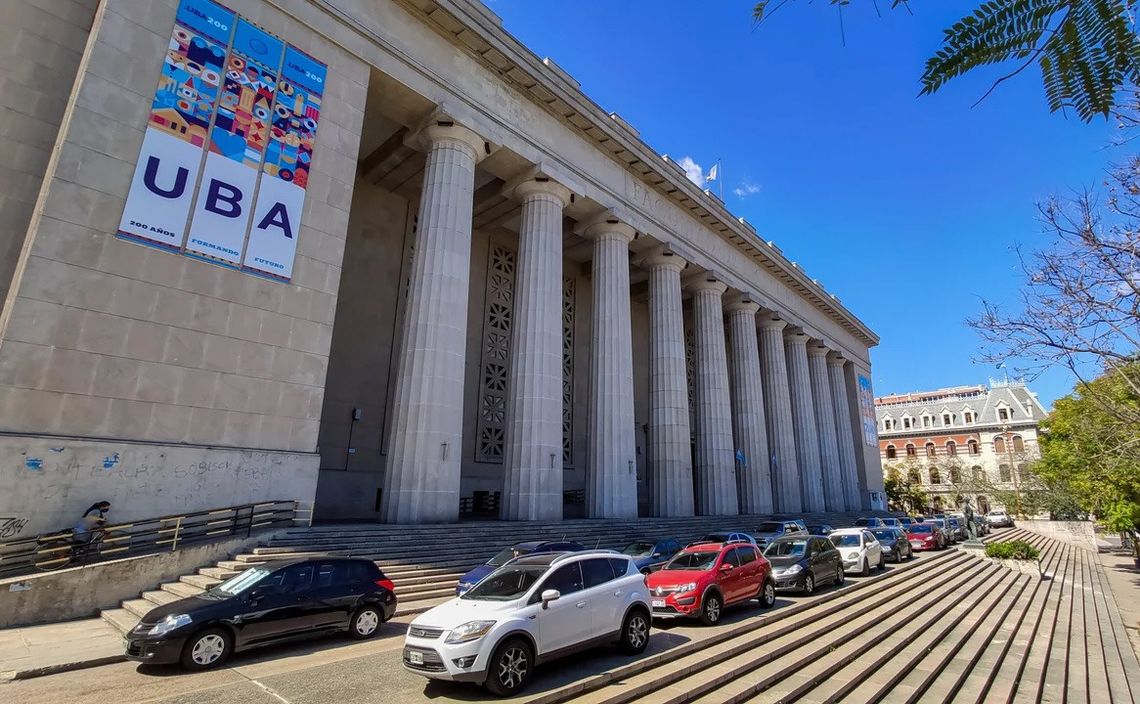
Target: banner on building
{"points": [[867, 412], [170, 160], [225, 159], [222, 212], [285, 172]]}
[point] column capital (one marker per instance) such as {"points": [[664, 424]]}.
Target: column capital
{"points": [[534, 182], [795, 336], [439, 127], [770, 322], [741, 303], [662, 257], [817, 349], [608, 226], [835, 359], [708, 283]]}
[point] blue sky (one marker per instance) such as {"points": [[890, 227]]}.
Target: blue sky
{"points": [[905, 207]]}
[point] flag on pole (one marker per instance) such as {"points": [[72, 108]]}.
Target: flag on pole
{"points": [[712, 173]]}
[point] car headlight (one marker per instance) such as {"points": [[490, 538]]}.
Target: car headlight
{"points": [[472, 630], [691, 586], [794, 569], [851, 556], [169, 623]]}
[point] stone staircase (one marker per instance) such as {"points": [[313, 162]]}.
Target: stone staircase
{"points": [[426, 561], [950, 627]]}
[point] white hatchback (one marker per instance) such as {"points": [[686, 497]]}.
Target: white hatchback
{"points": [[859, 548], [532, 609]]}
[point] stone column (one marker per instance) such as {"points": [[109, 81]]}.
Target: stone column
{"points": [[611, 462], [532, 460], [716, 476], [803, 415], [778, 415], [845, 436], [753, 474], [422, 480], [670, 457], [833, 496]]}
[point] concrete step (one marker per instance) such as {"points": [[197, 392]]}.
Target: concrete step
{"points": [[159, 597], [181, 589], [219, 573], [120, 618], [426, 593], [199, 580], [138, 607], [418, 606]]}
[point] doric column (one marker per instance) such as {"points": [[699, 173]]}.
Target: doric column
{"points": [[611, 463], [753, 473], [532, 460], [803, 415], [669, 453], [833, 497], [778, 414], [844, 435], [716, 478], [422, 480]]}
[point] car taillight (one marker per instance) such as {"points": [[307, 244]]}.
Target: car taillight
{"points": [[387, 584]]}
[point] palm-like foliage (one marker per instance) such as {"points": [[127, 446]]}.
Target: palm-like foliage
{"points": [[1087, 50]]}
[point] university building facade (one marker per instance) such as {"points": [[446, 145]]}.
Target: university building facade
{"points": [[378, 255]]}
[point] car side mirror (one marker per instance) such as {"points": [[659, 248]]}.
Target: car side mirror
{"points": [[550, 595], [656, 554], [254, 596], [725, 567]]}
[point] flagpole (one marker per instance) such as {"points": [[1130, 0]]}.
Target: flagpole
{"points": [[720, 177]]}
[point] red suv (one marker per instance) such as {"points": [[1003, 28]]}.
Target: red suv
{"points": [[703, 579]]}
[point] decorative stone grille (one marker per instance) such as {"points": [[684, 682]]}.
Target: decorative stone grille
{"points": [[568, 372], [497, 316]]}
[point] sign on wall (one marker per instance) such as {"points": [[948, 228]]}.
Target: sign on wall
{"points": [[867, 412], [228, 145]]}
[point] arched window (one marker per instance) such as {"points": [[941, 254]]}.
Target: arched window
{"points": [[1018, 444], [1004, 473], [936, 504], [951, 448], [910, 451], [891, 452], [913, 477], [979, 473], [999, 445], [930, 452], [935, 476], [973, 446], [955, 475]]}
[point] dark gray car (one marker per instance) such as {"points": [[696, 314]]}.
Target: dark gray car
{"points": [[896, 547], [771, 530]]}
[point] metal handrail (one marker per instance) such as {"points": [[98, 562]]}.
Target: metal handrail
{"points": [[60, 549]]}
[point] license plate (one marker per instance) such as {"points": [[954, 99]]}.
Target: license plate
{"points": [[416, 658], [658, 603], [916, 544]]}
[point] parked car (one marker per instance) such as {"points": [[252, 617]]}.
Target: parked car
{"points": [[943, 524], [957, 526], [926, 536], [771, 530], [860, 550], [703, 579], [532, 609], [891, 522], [999, 519], [506, 554], [650, 554], [803, 562], [724, 537], [801, 522], [907, 521], [819, 529], [894, 543], [871, 522], [269, 603]]}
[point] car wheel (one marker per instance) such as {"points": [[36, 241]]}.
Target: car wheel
{"points": [[207, 648], [809, 584], [840, 575], [865, 569], [365, 622], [767, 596], [510, 667], [711, 609], [635, 632]]}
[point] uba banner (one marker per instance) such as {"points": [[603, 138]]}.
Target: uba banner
{"points": [[234, 107]]}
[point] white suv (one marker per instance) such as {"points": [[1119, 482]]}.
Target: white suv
{"points": [[532, 609], [859, 548]]}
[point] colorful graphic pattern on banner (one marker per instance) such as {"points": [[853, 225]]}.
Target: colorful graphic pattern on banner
{"points": [[237, 145], [281, 194], [235, 114], [867, 413], [171, 156]]}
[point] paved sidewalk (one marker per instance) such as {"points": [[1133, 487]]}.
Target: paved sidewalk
{"points": [[57, 647], [1124, 580]]}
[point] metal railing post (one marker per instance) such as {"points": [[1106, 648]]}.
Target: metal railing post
{"points": [[177, 528]]}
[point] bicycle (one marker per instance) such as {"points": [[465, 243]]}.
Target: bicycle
{"points": [[63, 550]]}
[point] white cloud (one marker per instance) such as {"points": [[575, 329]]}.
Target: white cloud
{"points": [[745, 189], [693, 170]]}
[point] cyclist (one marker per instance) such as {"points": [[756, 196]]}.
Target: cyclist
{"points": [[94, 518]]}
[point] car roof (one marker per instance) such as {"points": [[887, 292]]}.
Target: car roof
{"points": [[853, 529], [539, 558], [273, 565]]}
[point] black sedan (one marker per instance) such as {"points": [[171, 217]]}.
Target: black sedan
{"points": [[273, 602], [802, 562], [894, 543]]}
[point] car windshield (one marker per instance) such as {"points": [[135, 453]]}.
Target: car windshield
{"points": [[847, 540], [920, 528], [505, 555], [237, 584], [786, 548], [863, 522], [997, 513], [693, 560], [771, 527], [937, 522], [715, 538], [638, 548], [887, 535], [506, 583]]}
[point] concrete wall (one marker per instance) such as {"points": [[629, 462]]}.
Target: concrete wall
{"points": [[81, 592], [48, 482], [40, 47], [1079, 533]]}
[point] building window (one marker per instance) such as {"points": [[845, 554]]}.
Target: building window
{"points": [[973, 446], [945, 419], [979, 473], [910, 451], [1022, 472], [1003, 414], [930, 452], [967, 416], [951, 448], [999, 445], [1004, 473], [886, 424], [1018, 444], [927, 421], [914, 477], [955, 475], [891, 452], [906, 423], [935, 476]]}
